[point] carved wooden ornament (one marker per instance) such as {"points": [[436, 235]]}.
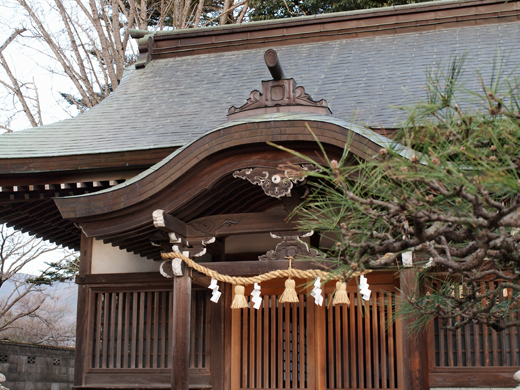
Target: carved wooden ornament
{"points": [[291, 246], [273, 182]]}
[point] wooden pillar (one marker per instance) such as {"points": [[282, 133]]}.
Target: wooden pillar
{"points": [[415, 354], [180, 330], [81, 361]]}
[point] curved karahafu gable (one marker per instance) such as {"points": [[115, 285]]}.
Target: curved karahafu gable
{"points": [[197, 180]]}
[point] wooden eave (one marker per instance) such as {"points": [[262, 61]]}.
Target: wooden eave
{"points": [[384, 21], [66, 167], [197, 181], [29, 185]]}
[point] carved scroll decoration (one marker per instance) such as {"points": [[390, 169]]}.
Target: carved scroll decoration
{"points": [[291, 246], [273, 182]]}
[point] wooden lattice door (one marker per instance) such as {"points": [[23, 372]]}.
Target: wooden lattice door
{"points": [[304, 346]]}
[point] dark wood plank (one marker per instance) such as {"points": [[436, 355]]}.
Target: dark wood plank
{"points": [[354, 341], [104, 333], [361, 345], [133, 346], [119, 349], [273, 341], [287, 345], [320, 345], [126, 346], [301, 342], [141, 331], [180, 331], [294, 345], [266, 342], [375, 338], [415, 356], [244, 360], [84, 318], [156, 338], [311, 343], [368, 344], [235, 341], [149, 330], [280, 343], [112, 343]]}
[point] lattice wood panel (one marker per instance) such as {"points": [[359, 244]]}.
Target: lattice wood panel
{"points": [[273, 345], [476, 345], [362, 344], [131, 329]]}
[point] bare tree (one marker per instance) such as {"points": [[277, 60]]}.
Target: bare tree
{"points": [[23, 296], [88, 42]]}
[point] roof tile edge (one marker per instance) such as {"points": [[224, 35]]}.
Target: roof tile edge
{"points": [[326, 27]]}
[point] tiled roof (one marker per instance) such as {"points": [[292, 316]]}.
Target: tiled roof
{"points": [[174, 101]]}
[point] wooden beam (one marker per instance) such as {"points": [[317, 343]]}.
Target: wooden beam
{"points": [[169, 223], [415, 356], [180, 330], [242, 223], [81, 360]]}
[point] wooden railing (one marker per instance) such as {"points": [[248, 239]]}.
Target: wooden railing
{"points": [[362, 343], [304, 346], [131, 329]]}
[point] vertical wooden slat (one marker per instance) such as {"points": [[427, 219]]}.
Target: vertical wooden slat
{"points": [[156, 338], [126, 345], [301, 343], [476, 340], [245, 347], [361, 346], [494, 338], [330, 343], [104, 337], [112, 331], [267, 343], [485, 335], [311, 344], [97, 345], [319, 347], [252, 345], [149, 330], [353, 341], [259, 347], [449, 333], [193, 349], [375, 342], [458, 335], [294, 345], [467, 341], [120, 340], [512, 339], [236, 368], [382, 325], [135, 306], [442, 362], [287, 357], [169, 339], [399, 330], [164, 327], [142, 296], [280, 357], [391, 361], [337, 345], [368, 346], [273, 342]]}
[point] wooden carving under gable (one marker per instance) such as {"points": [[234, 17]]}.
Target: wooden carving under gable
{"points": [[274, 182], [290, 247]]}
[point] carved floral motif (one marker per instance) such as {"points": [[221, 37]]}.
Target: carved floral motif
{"points": [[273, 182], [291, 246]]}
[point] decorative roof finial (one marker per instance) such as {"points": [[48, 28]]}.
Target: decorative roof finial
{"points": [[273, 64], [278, 95]]}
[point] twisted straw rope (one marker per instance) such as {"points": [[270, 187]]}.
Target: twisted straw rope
{"points": [[244, 281]]}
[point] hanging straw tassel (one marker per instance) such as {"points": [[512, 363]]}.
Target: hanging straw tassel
{"points": [[289, 294], [341, 296], [240, 301]]}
